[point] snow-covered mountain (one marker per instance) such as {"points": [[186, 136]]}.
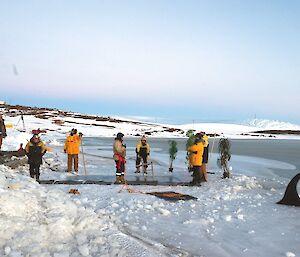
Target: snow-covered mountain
{"points": [[264, 124]]}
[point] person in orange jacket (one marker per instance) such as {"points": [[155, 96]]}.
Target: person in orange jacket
{"points": [[196, 153], [72, 145]]}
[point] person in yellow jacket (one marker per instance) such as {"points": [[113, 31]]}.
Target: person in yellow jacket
{"points": [[196, 153], [142, 153], [119, 150], [72, 148]]}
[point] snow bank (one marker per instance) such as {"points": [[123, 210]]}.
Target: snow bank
{"points": [[40, 221], [232, 217]]}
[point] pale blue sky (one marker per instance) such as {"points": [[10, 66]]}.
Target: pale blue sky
{"points": [[179, 60]]}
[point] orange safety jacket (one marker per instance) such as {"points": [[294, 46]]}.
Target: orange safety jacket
{"points": [[195, 153], [72, 144]]}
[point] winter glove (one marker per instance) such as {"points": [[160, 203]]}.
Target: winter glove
{"points": [[65, 151], [80, 134], [195, 152]]}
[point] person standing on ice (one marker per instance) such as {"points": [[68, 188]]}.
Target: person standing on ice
{"points": [[119, 150], [72, 145], [142, 153], [35, 149], [196, 153], [205, 155], [2, 130]]}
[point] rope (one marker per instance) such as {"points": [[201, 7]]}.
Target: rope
{"points": [[18, 122], [130, 190], [24, 128], [126, 186], [51, 168]]}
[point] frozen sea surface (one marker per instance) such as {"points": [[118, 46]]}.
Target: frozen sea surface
{"points": [[260, 158]]}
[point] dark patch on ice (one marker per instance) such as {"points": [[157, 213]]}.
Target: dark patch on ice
{"points": [[172, 196], [291, 196], [279, 132]]}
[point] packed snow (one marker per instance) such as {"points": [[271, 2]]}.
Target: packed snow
{"points": [[232, 217], [264, 124]]}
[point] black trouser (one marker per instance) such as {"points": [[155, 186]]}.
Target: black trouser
{"points": [[139, 158], [1, 141], [196, 174], [120, 168], [34, 170], [205, 154]]}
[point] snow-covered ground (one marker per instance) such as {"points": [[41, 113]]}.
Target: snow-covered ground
{"points": [[235, 217], [228, 130], [232, 217], [93, 126]]}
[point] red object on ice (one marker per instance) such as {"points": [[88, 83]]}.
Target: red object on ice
{"points": [[59, 122], [38, 131]]}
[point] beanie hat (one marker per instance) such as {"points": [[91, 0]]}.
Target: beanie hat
{"points": [[199, 135], [120, 135]]}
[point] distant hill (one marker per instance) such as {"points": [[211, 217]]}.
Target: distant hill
{"points": [[53, 119]]}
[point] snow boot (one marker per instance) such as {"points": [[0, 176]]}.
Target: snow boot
{"points": [[203, 173], [118, 180], [201, 176], [195, 182], [196, 179], [123, 181], [145, 169]]}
